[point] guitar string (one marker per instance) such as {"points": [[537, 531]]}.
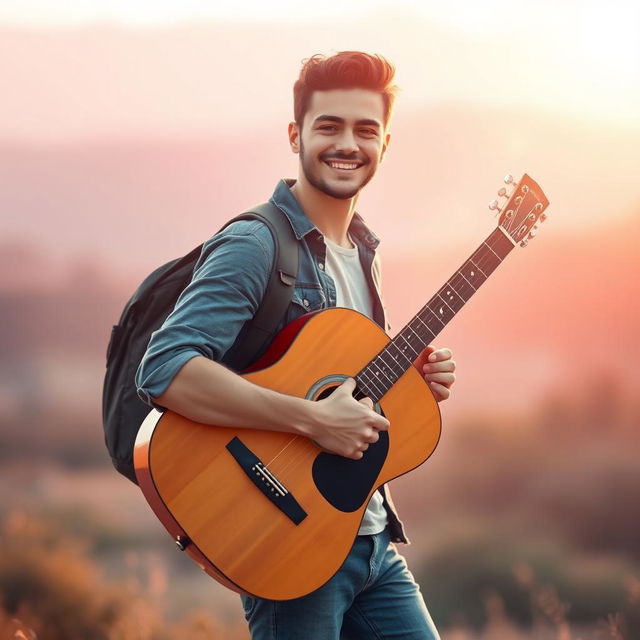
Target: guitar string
{"points": [[286, 446], [306, 452], [515, 213]]}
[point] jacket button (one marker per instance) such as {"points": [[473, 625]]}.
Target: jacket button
{"points": [[305, 302], [321, 265]]}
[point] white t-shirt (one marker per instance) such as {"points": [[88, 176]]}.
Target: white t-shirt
{"points": [[352, 292]]}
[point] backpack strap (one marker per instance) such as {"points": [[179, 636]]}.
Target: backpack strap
{"points": [[277, 295]]}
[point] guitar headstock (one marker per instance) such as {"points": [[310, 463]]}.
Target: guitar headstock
{"points": [[524, 208]]}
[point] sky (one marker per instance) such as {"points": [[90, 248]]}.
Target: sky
{"points": [[584, 55]]}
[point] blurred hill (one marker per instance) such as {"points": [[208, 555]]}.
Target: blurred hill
{"points": [[548, 318], [134, 201]]}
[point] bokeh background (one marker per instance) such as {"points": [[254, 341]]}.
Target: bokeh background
{"points": [[130, 131]]}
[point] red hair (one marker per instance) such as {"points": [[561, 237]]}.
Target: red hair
{"points": [[344, 70]]}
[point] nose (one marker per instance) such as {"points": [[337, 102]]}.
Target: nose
{"points": [[346, 143]]}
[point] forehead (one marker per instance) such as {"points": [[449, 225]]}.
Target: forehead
{"points": [[349, 104]]}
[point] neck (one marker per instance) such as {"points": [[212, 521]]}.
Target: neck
{"points": [[332, 216]]}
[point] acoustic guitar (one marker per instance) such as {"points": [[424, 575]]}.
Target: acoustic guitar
{"points": [[273, 515]]}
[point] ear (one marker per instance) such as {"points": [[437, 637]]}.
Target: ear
{"points": [[385, 144], [294, 137]]}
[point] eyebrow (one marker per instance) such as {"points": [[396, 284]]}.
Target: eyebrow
{"points": [[365, 121]]}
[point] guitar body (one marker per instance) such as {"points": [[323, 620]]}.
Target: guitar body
{"points": [[282, 532]]}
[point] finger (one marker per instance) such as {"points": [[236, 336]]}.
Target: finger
{"points": [[439, 391], [443, 365], [348, 386], [446, 379], [368, 402], [379, 423], [374, 437], [440, 354]]}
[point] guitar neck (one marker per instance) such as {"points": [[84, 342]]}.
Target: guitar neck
{"points": [[381, 373]]}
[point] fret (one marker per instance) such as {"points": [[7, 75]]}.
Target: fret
{"points": [[452, 297], [492, 251], [412, 331], [408, 360], [408, 341], [364, 388], [428, 308], [462, 286], [420, 339], [443, 312], [380, 370], [376, 386], [426, 326], [407, 344], [444, 300], [502, 244], [486, 275], [485, 260], [391, 363], [472, 276]]}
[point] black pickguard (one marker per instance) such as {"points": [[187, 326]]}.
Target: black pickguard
{"points": [[346, 483]]}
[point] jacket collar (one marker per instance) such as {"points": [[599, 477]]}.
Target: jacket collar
{"points": [[287, 203]]}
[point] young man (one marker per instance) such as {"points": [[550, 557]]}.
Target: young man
{"points": [[342, 106]]}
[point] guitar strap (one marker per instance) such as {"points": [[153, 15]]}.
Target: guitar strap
{"points": [[277, 295]]}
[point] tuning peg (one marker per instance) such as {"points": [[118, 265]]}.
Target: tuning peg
{"points": [[543, 217], [532, 233], [524, 243], [508, 179], [493, 205], [502, 192]]}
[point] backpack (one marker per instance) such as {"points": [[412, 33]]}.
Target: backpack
{"points": [[122, 409]]}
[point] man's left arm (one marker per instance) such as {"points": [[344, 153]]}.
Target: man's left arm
{"points": [[438, 368]]}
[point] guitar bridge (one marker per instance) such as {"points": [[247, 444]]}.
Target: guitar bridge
{"points": [[262, 478]]}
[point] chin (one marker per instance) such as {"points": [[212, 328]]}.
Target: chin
{"points": [[344, 193]]}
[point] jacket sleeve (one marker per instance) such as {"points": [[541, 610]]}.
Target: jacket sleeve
{"points": [[228, 284]]}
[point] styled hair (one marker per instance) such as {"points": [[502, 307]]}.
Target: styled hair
{"points": [[344, 70]]}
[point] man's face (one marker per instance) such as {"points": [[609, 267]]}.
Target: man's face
{"points": [[342, 141]]}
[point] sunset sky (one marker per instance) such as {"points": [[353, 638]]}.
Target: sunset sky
{"points": [[575, 56]]}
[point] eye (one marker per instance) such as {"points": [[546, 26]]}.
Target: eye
{"points": [[368, 132], [327, 127]]}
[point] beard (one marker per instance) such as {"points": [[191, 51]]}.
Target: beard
{"points": [[334, 189]]}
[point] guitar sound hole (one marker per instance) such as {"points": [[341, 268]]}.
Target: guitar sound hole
{"points": [[357, 394]]}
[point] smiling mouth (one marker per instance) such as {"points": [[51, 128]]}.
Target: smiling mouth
{"points": [[343, 165]]}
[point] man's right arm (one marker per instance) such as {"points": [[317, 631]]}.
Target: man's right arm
{"points": [[181, 371], [207, 392]]}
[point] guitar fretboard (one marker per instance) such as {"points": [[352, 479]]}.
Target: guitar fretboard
{"points": [[377, 377]]}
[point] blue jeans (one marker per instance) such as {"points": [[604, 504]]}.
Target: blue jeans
{"points": [[372, 596]]}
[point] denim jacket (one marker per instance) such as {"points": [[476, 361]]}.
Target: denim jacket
{"points": [[229, 281]]}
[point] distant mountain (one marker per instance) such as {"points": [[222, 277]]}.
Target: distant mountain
{"points": [[552, 317]]}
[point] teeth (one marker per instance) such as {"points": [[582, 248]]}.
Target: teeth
{"points": [[342, 165]]}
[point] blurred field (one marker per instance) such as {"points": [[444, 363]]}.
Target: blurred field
{"points": [[522, 527]]}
